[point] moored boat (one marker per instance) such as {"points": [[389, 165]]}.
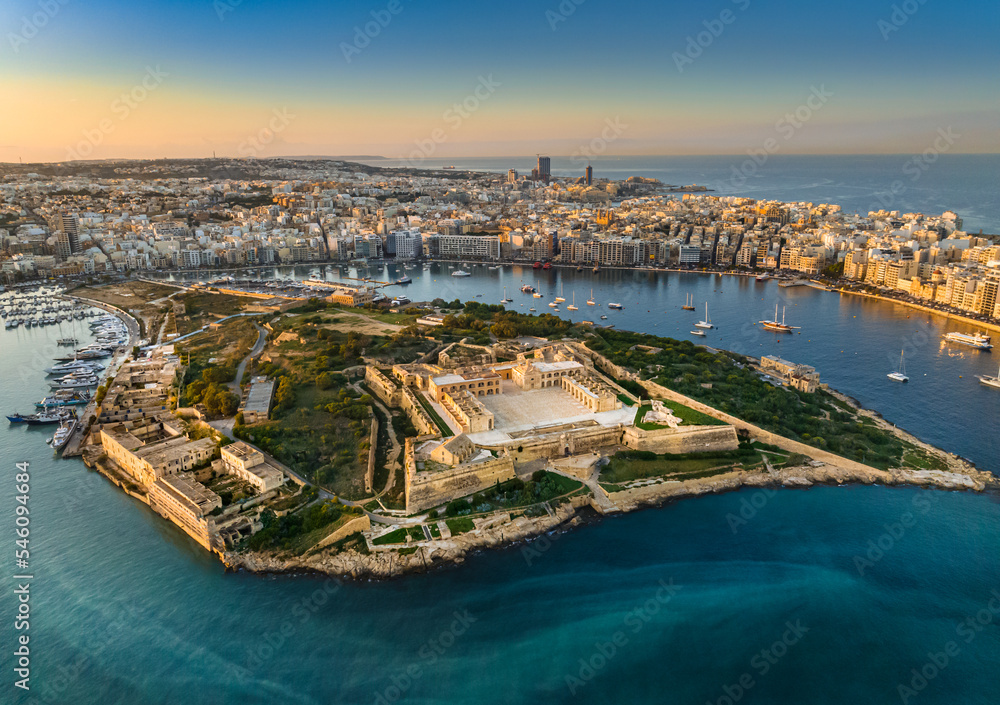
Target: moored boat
{"points": [[979, 341]]}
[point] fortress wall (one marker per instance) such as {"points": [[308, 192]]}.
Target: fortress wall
{"points": [[430, 489], [693, 439]]}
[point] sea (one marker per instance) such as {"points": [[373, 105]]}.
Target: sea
{"points": [[825, 595]]}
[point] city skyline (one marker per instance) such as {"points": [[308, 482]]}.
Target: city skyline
{"points": [[109, 80]]}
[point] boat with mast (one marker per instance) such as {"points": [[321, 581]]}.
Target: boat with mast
{"points": [[590, 301], [990, 381], [900, 374], [775, 326], [505, 299], [688, 303], [559, 299], [572, 306], [707, 323]]}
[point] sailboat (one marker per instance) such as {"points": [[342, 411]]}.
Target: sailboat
{"points": [[707, 323], [572, 306], [559, 299], [505, 300], [590, 301], [688, 303], [990, 381], [900, 374], [773, 325]]}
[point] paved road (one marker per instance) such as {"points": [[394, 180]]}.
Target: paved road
{"points": [[255, 351]]}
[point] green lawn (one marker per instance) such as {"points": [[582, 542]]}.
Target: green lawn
{"points": [[460, 525], [397, 536], [687, 415], [728, 382], [442, 426], [626, 466]]}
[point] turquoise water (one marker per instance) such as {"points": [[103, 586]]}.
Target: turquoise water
{"points": [[830, 595]]}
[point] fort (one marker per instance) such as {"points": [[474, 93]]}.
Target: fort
{"points": [[551, 402]]}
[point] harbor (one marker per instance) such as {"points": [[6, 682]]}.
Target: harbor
{"points": [[73, 376]]}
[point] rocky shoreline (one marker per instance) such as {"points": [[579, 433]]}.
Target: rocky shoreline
{"points": [[380, 565]]}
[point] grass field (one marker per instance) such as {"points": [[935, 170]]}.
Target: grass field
{"points": [[622, 468], [687, 415]]}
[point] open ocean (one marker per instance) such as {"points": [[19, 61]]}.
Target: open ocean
{"points": [[964, 183], [828, 595]]}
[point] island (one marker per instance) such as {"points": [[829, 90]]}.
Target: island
{"points": [[329, 433]]}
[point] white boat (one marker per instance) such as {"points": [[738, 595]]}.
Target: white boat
{"points": [[699, 333], [604, 318], [900, 374], [505, 300], [537, 295], [616, 307], [460, 273], [590, 301], [707, 323], [572, 306], [62, 434], [559, 299], [979, 341], [990, 381]]}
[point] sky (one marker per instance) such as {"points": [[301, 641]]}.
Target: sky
{"points": [[98, 79]]}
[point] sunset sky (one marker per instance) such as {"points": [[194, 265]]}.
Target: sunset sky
{"points": [[109, 78]]}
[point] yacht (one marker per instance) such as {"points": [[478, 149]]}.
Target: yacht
{"points": [[553, 304], [990, 381], [572, 306], [590, 301], [537, 295], [616, 307], [774, 325], [528, 289], [62, 434], [707, 323], [688, 303], [460, 273], [900, 374], [404, 280], [559, 299], [505, 300], [699, 333]]}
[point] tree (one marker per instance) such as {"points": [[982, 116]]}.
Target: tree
{"points": [[284, 397], [325, 380]]}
